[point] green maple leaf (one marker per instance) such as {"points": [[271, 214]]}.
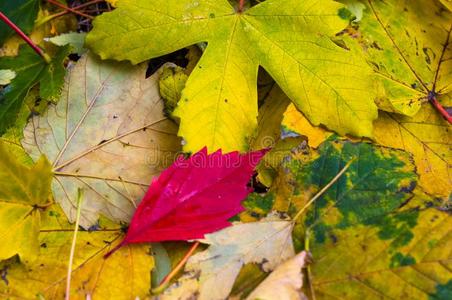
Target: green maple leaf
{"points": [[290, 39], [22, 191], [30, 70], [22, 12]]}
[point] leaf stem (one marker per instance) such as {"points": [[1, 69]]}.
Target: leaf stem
{"points": [[35, 47], [62, 13], [72, 10], [116, 248], [241, 5], [165, 282], [307, 237], [323, 190], [74, 240], [432, 99]]}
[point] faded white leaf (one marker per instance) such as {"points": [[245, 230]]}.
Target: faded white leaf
{"points": [[107, 135]]}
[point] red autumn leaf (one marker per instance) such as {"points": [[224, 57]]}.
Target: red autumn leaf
{"points": [[193, 197]]}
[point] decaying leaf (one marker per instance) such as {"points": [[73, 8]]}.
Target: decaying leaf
{"points": [[267, 242], [408, 43], [426, 136], [291, 41], [379, 181], [367, 239], [285, 282], [23, 193], [30, 70], [107, 135], [124, 276], [398, 255]]}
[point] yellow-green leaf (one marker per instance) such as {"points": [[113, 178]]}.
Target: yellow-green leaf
{"points": [[401, 255], [124, 275], [295, 121], [270, 117], [447, 3], [19, 230], [171, 83], [426, 136], [23, 191], [292, 42], [408, 44]]}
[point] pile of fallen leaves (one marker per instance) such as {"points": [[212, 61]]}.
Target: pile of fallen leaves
{"points": [[225, 149]]}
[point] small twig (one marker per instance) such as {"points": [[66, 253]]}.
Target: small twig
{"points": [[432, 99], [241, 5], [74, 240], [65, 12], [308, 268], [323, 190], [35, 47], [72, 10], [45, 205], [163, 285]]}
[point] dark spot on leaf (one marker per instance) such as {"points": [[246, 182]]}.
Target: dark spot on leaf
{"points": [[400, 260], [333, 238], [427, 56], [344, 13], [376, 46], [254, 214], [408, 189], [43, 245], [94, 227], [4, 274]]}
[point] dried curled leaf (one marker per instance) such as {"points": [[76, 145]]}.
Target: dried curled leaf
{"points": [[267, 242], [284, 282]]}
